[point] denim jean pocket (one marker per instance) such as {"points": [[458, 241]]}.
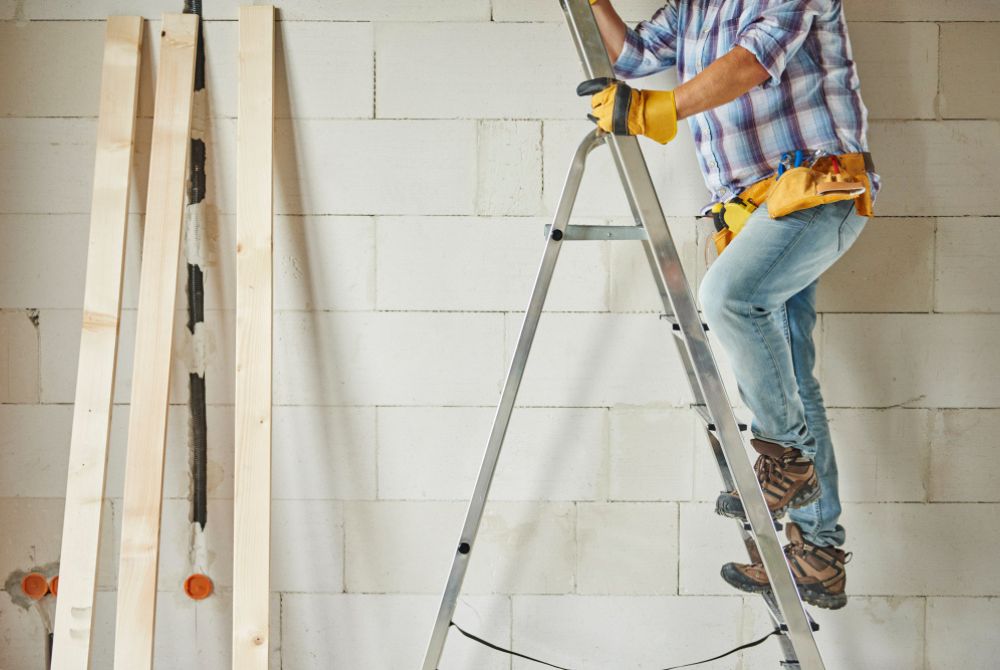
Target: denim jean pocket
{"points": [[799, 218], [850, 229]]}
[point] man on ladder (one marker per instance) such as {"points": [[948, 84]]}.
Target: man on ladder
{"points": [[771, 92]]}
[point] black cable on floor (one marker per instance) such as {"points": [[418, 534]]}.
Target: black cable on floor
{"points": [[748, 645], [506, 651], [486, 643]]}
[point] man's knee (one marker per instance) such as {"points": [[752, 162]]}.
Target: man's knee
{"points": [[727, 297], [718, 297]]}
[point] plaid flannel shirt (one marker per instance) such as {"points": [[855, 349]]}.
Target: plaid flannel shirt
{"points": [[812, 99]]}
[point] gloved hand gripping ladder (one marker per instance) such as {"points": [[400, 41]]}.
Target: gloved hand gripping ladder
{"points": [[711, 401]]}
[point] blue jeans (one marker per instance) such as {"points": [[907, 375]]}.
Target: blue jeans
{"points": [[759, 298]]}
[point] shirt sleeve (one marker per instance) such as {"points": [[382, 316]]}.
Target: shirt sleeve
{"points": [[777, 34], [651, 46]]}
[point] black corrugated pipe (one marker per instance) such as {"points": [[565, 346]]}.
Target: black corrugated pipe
{"points": [[196, 294]]}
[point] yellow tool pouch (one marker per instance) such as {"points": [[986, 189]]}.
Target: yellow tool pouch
{"points": [[829, 179], [802, 187]]}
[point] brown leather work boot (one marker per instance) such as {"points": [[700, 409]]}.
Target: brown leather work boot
{"points": [[819, 572], [787, 478]]}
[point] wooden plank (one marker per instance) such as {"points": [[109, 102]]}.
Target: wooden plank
{"points": [[95, 378], [254, 291], [138, 564]]}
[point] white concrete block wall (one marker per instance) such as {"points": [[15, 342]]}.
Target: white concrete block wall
{"points": [[19, 356], [421, 147]]}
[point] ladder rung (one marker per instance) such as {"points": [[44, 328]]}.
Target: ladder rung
{"points": [[599, 233], [674, 323], [702, 411], [772, 604]]}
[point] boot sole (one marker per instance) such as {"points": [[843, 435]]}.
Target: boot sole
{"points": [[800, 499], [809, 593]]}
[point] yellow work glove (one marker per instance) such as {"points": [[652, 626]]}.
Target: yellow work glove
{"points": [[622, 110]]}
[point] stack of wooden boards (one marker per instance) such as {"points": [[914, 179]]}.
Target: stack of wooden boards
{"points": [[139, 557]]}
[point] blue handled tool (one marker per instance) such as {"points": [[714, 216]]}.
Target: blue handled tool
{"points": [[783, 164]]}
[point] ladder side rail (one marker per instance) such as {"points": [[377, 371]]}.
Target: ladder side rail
{"points": [[791, 659], [586, 47], [692, 377], [505, 407], [716, 399], [642, 194], [717, 451], [716, 447], [787, 649]]}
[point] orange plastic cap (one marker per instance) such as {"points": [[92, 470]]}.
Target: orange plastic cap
{"points": [[54, 585], [198, 586], [34, 585]]}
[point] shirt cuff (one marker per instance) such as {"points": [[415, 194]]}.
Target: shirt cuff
{"points": [[766, 50]]}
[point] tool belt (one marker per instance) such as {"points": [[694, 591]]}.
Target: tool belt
{"points": [[828, 179]]}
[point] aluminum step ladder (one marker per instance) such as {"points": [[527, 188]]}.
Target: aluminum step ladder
{"points": [[710, 399]]}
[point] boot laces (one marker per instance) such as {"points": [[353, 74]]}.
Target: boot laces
{"points": [[767, 468], [795, 549], [770, 467], [800, 549]]}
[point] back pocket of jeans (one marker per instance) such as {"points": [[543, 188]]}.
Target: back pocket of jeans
{"points": [[850, 229]]}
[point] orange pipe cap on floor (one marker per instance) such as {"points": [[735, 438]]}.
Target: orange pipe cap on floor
{"points": [[34, 585], [54, 585], [198, 586]]}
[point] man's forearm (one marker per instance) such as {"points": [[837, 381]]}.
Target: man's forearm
{"points": [[612, 28], [723, 81]]}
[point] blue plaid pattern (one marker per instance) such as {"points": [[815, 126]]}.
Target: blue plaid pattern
{"points": [[811, 101]]}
